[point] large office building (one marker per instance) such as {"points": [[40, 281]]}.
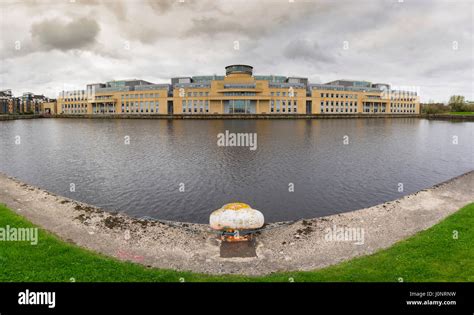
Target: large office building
{"points": [[238, 92]]}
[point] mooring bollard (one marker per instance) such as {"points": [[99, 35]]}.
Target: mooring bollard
{"points": [[235, 220]]}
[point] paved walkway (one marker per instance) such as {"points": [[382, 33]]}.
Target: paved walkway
{"points": [[303, 245]]}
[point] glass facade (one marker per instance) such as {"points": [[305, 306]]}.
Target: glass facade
{"points": [[239, 69], [239, 107]]}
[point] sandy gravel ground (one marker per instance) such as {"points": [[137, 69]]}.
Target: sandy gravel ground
{"points": [[301, 245]]}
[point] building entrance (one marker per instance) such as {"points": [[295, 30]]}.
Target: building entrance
{"points": [[239, 107]]}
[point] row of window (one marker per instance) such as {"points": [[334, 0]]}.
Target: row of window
{"points": [[403, 111], [402, 105], [336, 95], [74, 110], [195, 94], [409, 99], [289, 93], [140, 107], [75, 99], [375, 110], [140, 96], [366, 110], [75, 105], [337, 103], [103, 109], [283, 102], [195, 106], [286, 106], [338, 110], [240, 93]]}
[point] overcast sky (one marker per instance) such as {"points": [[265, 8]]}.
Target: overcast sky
{"points": [[53, 45]]}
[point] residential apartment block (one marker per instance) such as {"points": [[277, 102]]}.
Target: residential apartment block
{"points": [[28, 103]]}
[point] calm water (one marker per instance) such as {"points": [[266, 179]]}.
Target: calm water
{"points": [[144, 177]]}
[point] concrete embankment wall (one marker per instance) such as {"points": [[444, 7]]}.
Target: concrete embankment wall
{"points": [[448, 117], [247, 116], [14, 117], [237, 116]]}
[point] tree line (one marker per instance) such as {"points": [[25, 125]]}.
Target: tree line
{"points": [[457, 103]]}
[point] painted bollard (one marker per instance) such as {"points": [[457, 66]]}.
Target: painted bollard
{"points": [[234, 218]]}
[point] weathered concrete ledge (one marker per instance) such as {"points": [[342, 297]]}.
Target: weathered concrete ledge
{"points": [[299, 245]]}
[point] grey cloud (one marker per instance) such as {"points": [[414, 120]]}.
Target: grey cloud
{"points": [[211, 26], [56, 34], [162, 6], [454, 68], [306, 50]]}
